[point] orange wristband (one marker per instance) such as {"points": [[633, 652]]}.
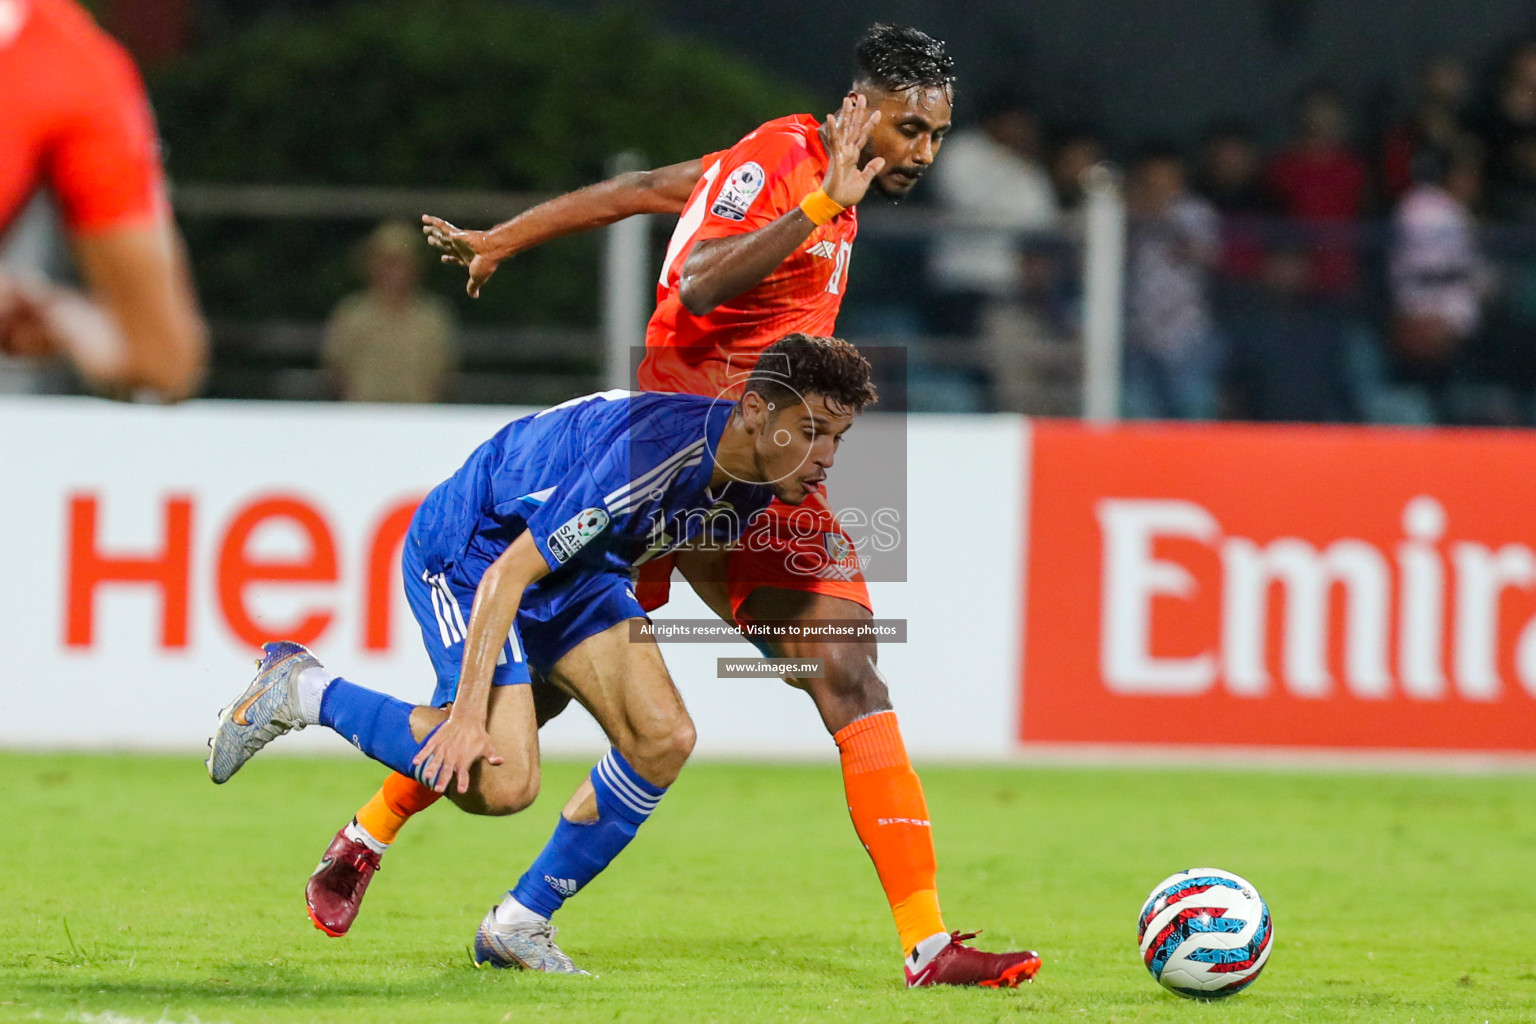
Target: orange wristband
{"points": [[819, 207]]}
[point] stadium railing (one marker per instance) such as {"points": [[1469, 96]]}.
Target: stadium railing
{"points": [[1304, 322]]}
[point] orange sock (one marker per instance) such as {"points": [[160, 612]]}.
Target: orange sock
{"points": [[392, 806], [890, 815]]}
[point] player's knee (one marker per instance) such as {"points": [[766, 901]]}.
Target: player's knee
{"points": [[660, 753], [684, 736], [673, 745], [498, 796]]}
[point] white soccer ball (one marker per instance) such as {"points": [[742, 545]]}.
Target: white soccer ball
{"points": [[1205, 933]]}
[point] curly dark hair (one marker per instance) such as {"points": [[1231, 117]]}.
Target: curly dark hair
{"points": [[896, 58], [803, 364]]}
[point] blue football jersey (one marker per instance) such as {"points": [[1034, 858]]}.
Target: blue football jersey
{"points": [[602, 483]]}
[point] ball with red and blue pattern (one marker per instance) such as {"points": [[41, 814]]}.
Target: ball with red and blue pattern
{"points": [[1205, 933]]}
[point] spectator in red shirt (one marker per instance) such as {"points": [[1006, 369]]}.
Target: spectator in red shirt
{"points": [[74, 119], [1319, 182]]}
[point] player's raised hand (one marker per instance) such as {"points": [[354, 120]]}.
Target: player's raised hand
{"points": [[461, 247], [452, 751], [847, 131]]}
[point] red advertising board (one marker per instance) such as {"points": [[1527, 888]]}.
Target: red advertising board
{"points": [[1281, 586]]}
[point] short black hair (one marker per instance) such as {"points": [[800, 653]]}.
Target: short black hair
{"points": [[1433, 164], [895, 58], [803, 364], [1429, 165]]}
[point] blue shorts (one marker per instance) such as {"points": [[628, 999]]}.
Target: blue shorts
{"points": [[556, 614]]}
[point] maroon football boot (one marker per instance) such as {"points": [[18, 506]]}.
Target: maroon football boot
{"points": [[335, 890], [959, 964]]}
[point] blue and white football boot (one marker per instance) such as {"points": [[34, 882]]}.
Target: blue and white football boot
{"points": [[528, 945], [268, 708]]}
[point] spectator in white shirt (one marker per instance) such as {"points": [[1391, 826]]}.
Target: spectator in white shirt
{"points": [[1172, 349], [993, 188], [1438, 275]]}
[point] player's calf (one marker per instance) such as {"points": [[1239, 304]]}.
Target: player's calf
{"points": [[851, 685], [885, 797], [292, 690]]}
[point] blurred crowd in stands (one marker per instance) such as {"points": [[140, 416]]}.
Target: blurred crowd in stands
{"points": [[1345, 265], [1384, 273]]}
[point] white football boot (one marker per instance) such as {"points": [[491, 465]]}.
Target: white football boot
{"points": [[529, 945], [268, 708]]}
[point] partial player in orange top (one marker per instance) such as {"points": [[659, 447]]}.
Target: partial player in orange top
{"points": [[75, 120], [746, 189], [762, 249]]}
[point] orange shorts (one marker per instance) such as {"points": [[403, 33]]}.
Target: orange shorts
{"points": [[791, 547]]}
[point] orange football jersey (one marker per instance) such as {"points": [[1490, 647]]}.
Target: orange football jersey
{"points": [[73, 118], [761, 178]]}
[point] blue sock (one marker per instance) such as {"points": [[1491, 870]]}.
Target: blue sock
{"points": [[577, 852], [375, 723]]}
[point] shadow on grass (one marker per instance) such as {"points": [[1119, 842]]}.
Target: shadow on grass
{"points": [[287, 990], [450, 978], [249, 982]]}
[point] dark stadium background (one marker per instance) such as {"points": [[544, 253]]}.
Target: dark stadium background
{"points": [[1136, 68], [380, 95]]}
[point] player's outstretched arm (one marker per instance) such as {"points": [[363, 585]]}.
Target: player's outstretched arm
{"points": [[140, 275], [464, 739], [138, 331], [661, 190], [719, 269]]}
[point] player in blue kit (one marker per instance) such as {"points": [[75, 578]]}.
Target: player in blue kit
{"points": [[523, 559]]}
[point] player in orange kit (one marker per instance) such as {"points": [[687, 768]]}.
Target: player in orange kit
{"points": [[761, 249], [74, 119]]}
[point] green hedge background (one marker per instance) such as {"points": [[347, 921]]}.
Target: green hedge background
{"points": [[436, 94]]}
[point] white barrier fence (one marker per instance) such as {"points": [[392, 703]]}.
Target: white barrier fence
{"points": [[145, 551], [1224, 589]]}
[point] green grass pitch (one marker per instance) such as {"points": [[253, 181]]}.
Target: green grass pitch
{"points": [[134, 891]]}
